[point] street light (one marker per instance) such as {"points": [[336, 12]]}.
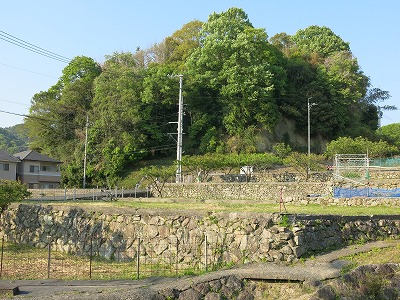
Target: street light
{"points": [[309, 131]]}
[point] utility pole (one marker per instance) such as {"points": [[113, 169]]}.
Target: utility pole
{"points": [[85, 155], [180, 133]]}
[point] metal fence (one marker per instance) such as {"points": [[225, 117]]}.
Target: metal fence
{"points": [[86, 194], [385, 162], [23, 262]]}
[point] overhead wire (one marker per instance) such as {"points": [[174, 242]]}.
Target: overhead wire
{"points": [[31, 47], [3, 64], [13, 102]]}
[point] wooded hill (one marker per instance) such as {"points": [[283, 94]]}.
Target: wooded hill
{"points": [[238, 85], [13, 139]]}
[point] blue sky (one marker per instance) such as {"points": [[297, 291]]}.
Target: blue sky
{"points": [[96, 28]]}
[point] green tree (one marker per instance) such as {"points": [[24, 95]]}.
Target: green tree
{"points": [[157, 177], [281, 150], [391, 133], [318, 42], [321, 66], [200, 166], [359, 145], [57, 117], [231, 70], [304, 163], [115, 135], [183, 42], [11, 191]]}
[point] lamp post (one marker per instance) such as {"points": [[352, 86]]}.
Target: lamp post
{"points": [[309, 132]]}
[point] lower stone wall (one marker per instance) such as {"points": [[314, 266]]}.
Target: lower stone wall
{"points": [[232, 237]]}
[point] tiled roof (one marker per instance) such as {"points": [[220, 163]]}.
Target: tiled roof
{"points": [[5, 156], [35, 156]]}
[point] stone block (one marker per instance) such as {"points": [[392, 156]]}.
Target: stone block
{"points": [[298, 251], [7, 291], [191, 294]]}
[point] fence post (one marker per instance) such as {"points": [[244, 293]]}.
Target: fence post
{"points": [[177, 256], [65, 193], [91, 257], [138, 260], [49, 256], [205, 252], [122, 193], [2, 256], [74, 194]]}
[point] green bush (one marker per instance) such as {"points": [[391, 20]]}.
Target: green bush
{"points": [[11, 191]]}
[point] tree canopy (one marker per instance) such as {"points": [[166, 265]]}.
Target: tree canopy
{"points": [[238, 84]]}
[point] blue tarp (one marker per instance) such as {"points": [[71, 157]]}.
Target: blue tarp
{"points": [[365, 192]]}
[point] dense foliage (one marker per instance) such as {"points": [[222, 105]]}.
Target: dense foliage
{"points": [[11, 191], [238, 85]]}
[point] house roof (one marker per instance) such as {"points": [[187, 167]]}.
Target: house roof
{"points": [[5, 156], [35, 156]]}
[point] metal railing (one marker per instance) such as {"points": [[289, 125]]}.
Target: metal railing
{"points": [[86, 194]]}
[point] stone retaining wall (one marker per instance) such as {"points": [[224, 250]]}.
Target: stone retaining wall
{"points": [[270, 192], [301, 193], [233, 237]]}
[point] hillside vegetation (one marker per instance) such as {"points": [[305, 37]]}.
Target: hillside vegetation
{"points": [[238, 85], [13, 139]]}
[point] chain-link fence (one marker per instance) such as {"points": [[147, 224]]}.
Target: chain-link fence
{"points": [[170, 259]]}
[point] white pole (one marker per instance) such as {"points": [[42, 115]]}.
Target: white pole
{"points": [[309, 127], [309, 132], [85, 155]]}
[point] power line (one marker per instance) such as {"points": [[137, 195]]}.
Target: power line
{"points": [[13, 102], [25, 116], [28, 46], [27, 70]]}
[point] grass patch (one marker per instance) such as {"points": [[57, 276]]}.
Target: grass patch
{"points": [[376, 256], [217, 206]]}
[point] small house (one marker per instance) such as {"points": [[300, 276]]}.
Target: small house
{"points": [[38, 171], [8, 166]]}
